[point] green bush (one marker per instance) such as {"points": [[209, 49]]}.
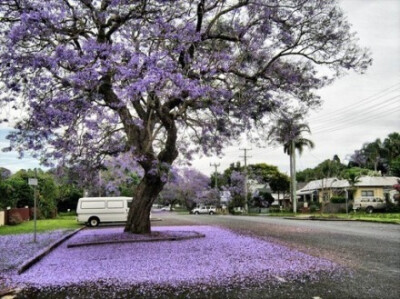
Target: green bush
{"points": [[392, 208], [338, 199], [15, 219], [313, 208]]}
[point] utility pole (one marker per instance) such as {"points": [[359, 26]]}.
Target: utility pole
{"points": [[216, 165], [34, 182], [99, 183], [245, 156], [293, 175]]}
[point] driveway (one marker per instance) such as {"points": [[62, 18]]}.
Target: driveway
{"points": [[371, 251]]}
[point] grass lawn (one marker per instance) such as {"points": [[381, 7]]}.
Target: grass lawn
{"points": [[374, 217], [63, 221], [379, 217]]}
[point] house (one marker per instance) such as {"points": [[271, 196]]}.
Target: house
{"points": [[368, 186]]}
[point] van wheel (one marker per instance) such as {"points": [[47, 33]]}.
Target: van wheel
{"points": [[211, 213], [369, 210], [94, 221], [197, 213]]}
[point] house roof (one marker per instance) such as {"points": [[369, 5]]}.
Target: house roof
{"points": [[365, 181]]}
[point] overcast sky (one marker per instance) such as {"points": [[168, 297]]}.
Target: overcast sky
{"points": [[356, 108]]}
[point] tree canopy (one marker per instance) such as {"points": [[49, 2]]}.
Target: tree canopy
{"points": [[154, 78], [379, 155]]}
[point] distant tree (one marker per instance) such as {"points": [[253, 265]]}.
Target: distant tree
{"points": [[4, 173], [68, 197], [336, 159], [374, 153], [391, 146], [307, 175], [262, 199], [329, 168], [395, 167], [22, 193], [128, 186], [280, 183], [187, 186], [377, 155], [358, 159], [354, 171]]}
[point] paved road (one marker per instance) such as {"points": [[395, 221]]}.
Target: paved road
{"points": [[371, 251]]}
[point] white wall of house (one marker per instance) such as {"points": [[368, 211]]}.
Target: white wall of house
{"points": [[2, 218]]}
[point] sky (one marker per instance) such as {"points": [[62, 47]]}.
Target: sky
{"points": [[356, 108]]}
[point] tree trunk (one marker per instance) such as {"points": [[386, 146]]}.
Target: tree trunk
{"points": [[144, 197]]}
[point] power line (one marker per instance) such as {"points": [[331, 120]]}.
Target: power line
{"points": [[357, 122], [364, 110], [370, 99]]}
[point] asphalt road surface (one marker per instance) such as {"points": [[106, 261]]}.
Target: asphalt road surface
{"points": [[371, 251]]}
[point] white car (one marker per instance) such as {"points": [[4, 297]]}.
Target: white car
{"points": [[167, 208], [369, 204], [204, 210]]}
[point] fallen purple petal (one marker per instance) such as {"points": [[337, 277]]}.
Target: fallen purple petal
{"points": [[16, 249], [222, 257]]}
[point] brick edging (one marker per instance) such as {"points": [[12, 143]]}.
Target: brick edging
{"points": [[45, 251], [195, 236]]}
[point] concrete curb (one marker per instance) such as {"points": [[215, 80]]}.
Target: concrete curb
{"points": [[195, 236], [45, 251], [340, 219], [319, 219]]}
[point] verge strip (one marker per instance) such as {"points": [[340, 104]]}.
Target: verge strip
{"points": [[25, 266]]}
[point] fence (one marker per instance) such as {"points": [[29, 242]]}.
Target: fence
{"points": [[19, 213]]}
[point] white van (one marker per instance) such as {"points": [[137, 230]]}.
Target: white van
{"points": [[96, 210]]}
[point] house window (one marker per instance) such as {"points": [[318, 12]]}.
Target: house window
{"points": [[367, 193]]}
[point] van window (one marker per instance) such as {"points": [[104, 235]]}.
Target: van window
{"points": [[115, 204], [368, 193], [93, 204], [129, 203]]}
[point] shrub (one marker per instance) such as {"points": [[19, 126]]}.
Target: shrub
{"points": [[338, 199], [313, 208], [392, 208], [15, 219]]}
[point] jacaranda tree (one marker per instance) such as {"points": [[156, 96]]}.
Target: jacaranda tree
{"points": [[154, 78]]}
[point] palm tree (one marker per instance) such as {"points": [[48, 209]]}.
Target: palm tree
{"points": [[352, 178], [288, 132]]}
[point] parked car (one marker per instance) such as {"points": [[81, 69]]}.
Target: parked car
{"points": [[204, 210], [369, 204], [167, 208]]}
